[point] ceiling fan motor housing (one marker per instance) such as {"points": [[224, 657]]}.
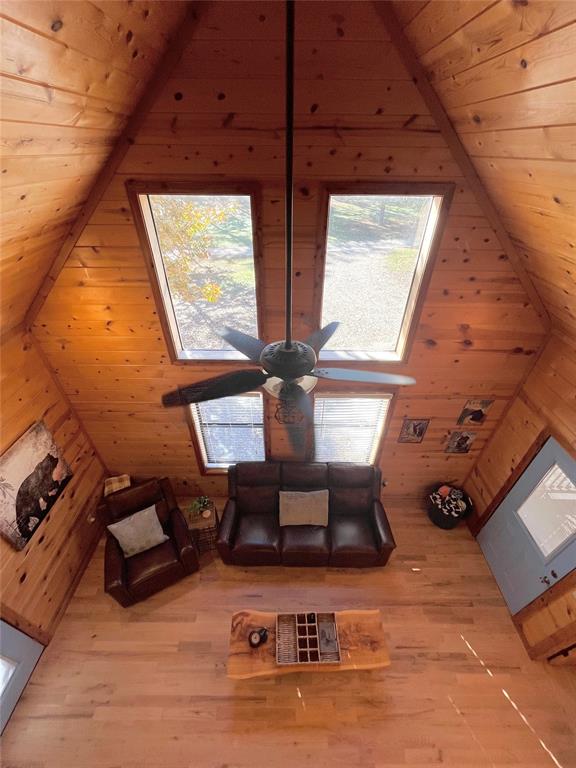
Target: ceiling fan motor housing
{"points": [[290, 363]]}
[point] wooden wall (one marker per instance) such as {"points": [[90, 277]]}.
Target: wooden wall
{"points": [[38, 580], [70, 74], [359, 117], [506, 74], [546, 403]]}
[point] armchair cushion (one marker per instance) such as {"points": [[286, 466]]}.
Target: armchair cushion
{"points": [[152, 570], [138, 532]]}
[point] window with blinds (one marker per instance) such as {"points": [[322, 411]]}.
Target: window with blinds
{"points": [[230, 430], [349, 428]]}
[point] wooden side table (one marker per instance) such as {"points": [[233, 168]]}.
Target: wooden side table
{"points": [[204, 529]]}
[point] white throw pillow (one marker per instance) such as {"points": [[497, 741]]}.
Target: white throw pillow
{"points": [[138, 532], [304, 508]]}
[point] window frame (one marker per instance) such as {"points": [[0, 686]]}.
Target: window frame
{"points": [[135, 189], [416, 298], [198, 443], [390, 393]]}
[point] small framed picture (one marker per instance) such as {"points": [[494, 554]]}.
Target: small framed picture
{"points": [[413, 430], [474, 412], [460, 442]]}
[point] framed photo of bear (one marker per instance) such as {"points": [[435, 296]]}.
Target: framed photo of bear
{"points": [[33, 474]]}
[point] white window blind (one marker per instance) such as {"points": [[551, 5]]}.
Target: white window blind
{"points": [[230, 430], [349, 428]]}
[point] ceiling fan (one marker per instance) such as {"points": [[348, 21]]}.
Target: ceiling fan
{"points": [[287, 367]]}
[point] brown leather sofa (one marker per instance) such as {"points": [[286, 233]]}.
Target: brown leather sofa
{"points": [[131, 579], [358, 534]]}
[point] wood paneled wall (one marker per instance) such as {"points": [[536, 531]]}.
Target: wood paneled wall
{"points": [[70, 74], [506, 74], [545, 404], [359, 117], [38, 580]]}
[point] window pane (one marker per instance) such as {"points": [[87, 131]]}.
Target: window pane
{"points": [[374, 246], [230, 430], [348, 428], [208, 259], [549, 513]]}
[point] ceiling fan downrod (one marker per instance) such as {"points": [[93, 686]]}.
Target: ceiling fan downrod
{"points": [[289, 193]]}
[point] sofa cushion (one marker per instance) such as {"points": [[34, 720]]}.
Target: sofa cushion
{"points": [[153, 569], [305, 545], [299, 476], [353, 543], [350, 501], [261, 499], [257, 540], [254, 473], [347, 475], [308, 508]]}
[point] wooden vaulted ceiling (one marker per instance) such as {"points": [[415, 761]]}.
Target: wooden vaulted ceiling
{"points": [[72, 72], [505, 73]]}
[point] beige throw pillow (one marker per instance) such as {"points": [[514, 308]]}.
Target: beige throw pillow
{"points": [[304, 508], [138, 532]]}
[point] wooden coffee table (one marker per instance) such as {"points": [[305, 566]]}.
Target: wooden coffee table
{"points": [[362, 645]]}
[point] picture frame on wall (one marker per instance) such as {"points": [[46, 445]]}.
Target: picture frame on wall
{"points": [[460, 442], [33, 474], [413, 430], [474, 412]]}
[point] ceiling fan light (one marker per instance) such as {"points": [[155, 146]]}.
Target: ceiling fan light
{"points": [[274, 384]]}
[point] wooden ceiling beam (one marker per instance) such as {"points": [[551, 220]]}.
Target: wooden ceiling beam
{"points": [[434, 104], [175, 49]]}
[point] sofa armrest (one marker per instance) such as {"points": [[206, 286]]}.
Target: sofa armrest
{"points": [[184, 542], [115, 572], [384, 535], [227, 530]]}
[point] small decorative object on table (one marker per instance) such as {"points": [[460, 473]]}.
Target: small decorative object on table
{"points": [[447, 505], [257, 637], [202, 519], [307, 638]]}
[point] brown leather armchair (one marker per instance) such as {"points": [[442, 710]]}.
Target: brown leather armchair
{"points": [[131, 579]]}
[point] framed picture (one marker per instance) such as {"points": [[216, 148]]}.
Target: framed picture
{"points": [[474, 412], [413, 430], [33, 474], [460, 442]]}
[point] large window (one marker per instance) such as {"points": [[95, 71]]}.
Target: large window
{"points": [[202, 249], [229, 430], [349, 428], [377, 250]]}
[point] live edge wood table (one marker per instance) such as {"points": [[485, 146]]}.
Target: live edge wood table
{"points": [[362, 645]]}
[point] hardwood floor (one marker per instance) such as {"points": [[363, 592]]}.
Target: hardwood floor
{"points": [[146, 686]]}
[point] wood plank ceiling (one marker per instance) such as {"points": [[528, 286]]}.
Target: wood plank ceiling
{"points": [[506, 75], [71, 73]]}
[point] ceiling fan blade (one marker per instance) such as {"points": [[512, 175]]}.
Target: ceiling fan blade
{"points": [[365, 377], [321, 337], [296, 432], [248, 345], [228, 384], [303, 401]]}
